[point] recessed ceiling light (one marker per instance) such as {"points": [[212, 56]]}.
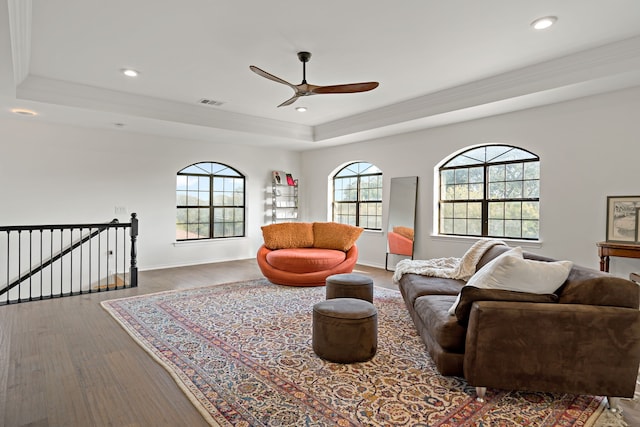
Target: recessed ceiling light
{"points": [[543, 23], [24, 112], [301, 109], [130, 72]]}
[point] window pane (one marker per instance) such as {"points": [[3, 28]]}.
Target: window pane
{"points": [[531, 189], [446, 209], [181, 182], [449, 192], [203, 198], [446, 226], [474, 210], [531, 210], [530, 229], [476, 191], [513, 190], [496, 190], [532, 170], [496, 210], [513, 210], [497, 173], [181, 198], [474, 227], [512, 228], [460, 210], [203, 183], [447, 176], [514, 172], [496, 227], [462, 192], [476, 175], [460, 226], [462, 176]]}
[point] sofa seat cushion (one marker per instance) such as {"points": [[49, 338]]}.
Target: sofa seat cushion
{"points": [[305, 260], [416, 285], [443, 328]]}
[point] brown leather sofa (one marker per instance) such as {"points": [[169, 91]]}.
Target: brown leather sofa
{"points": [[583, 339]]}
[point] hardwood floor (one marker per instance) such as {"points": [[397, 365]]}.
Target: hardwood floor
{"points": [[65, 362]]}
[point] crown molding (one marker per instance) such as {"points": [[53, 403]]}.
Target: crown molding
{"points": [[59, 92], [565, 74]]}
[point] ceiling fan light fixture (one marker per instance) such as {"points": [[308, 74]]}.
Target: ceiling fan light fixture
{"points": [[544, 23], [301, 109], [130, 72]]}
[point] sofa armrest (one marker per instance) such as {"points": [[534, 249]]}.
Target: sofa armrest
{"points": [[568, 348]]}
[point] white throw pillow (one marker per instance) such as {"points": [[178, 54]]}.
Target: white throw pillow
{"points": [[511, 272]]}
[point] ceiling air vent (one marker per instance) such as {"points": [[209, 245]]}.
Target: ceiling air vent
{"points": [[206, 101]]}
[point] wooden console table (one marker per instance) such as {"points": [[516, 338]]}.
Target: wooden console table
{"points": [[608, 249]]}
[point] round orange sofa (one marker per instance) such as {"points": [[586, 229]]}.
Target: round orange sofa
{"points": [[305, 254]]}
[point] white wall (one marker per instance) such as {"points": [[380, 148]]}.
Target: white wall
{"points": [[589, 149], [52, 174]]}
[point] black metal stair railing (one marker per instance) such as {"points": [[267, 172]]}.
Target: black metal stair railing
{"points": [[68, 259]]}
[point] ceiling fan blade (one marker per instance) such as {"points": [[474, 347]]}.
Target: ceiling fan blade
{"points": [[266, 75], [290, 101], [348, 88]]}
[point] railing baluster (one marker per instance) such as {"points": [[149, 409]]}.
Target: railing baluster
{"points": [[134, 251], [8, 261], [67, 283], [19, 263], [30, 264]]}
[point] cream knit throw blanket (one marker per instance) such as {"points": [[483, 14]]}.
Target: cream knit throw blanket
{"points": [[448, 268]]}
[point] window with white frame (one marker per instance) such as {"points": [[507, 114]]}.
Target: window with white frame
{"points": [[490, 191], [210, 202]]}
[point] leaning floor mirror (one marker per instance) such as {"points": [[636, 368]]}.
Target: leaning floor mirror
{"points": [[402, 218]]}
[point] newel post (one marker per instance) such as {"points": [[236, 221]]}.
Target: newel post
{"points": [[134, 251]]}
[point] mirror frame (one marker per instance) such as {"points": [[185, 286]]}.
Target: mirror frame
{"points": [[402, 213]]}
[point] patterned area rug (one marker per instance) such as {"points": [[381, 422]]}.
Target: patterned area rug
{"points": [[242, 353]]}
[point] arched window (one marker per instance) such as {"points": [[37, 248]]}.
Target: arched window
{"points": [[357, 196], [210, 201], [491, 191]]}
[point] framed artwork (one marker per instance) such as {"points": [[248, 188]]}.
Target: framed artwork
{"points": [[622, 218]]}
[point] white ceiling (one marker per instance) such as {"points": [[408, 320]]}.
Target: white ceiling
{"points": [[437, 62]]}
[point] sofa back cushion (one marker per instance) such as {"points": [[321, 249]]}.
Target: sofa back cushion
{"points": [[469, 294], [604, 290], [333, 235], [288, 235]]}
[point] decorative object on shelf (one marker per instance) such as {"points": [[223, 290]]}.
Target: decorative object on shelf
{"points": [[622, 219], [284, 197]]}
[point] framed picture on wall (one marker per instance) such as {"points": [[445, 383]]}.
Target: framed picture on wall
{"points": [[622, 218]]}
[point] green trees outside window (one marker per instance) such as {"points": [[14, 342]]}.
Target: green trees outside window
{"points": [[491, 191], [210, 202], [357, 196]]}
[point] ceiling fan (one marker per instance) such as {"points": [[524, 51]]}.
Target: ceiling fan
{"points": [[306, 89]]}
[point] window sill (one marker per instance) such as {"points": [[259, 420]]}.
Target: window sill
{"points": [[510, 242], [204, 241]]}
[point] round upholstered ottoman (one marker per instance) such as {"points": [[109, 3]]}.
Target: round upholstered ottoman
{"points": [[345, 330], [350, 285]]}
